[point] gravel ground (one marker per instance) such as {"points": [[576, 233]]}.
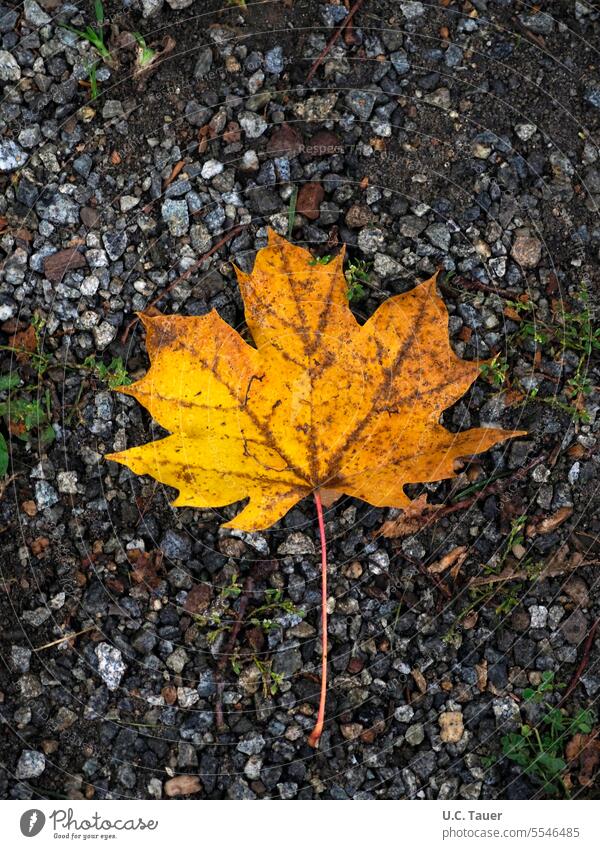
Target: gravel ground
{"points": [[455, 135]]}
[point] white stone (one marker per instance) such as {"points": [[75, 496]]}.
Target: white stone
{"points": [[10, 72], [211, 168], [539, 615], [67, 482]]}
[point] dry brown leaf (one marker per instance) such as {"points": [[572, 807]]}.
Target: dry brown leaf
{"points": [[455, 557], [24, 341], [577, 589], [39, 545], [481, 670], [412, 519], [198, 598], [470, 620], [548, 524], [511, 313], [419, 679], [513, 397], [561, 563], [56, 265], [583, 753], [147, 566], [175, 172]]}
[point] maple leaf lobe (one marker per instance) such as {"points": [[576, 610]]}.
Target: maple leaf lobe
{"points": [[321, 402]]}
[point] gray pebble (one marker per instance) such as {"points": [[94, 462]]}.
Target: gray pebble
{"points": [[525, 131], [115, 244], [104, 334], [400, 62], [411, 9], [11, 156], [506, 711], [176, 215], [177, 660], [58, 208], [297, 543], [251, 744], [332, 15], [415, 734], [361, 103], [20, 657], [592, 96], [540, 23], [287, 790], [112, 109], [36, 617], [453, 56], [34, 14], [206, 684], [151, 8], [176, 545], [200, 238], [252, 124], [370, 240], [211, 168], [144, 641], [30, 136], [204, 60], [197, 115], [539, 616], [413, 548], [10, 72], [274, 63], [45, 495], [287, 661], [575, 628], [404, 713], [30, 686], [439, 236]]}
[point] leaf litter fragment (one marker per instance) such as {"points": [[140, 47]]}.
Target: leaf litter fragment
{"points": [[454, 558], [583, 752], [563, 562]]}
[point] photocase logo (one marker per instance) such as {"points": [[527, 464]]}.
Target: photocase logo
{"points": [[32, 822]]}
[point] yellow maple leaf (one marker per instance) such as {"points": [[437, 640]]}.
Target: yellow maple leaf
{"points": [[320, 404]]}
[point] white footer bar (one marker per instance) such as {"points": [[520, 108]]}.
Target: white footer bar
{"points": [[300, 824]]}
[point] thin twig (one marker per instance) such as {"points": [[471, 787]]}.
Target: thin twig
{"points": [[66, 637], [583, 663], [225, 655], [6, 483], [347, 20], [457, 283], [247, 591], [235, 231]]}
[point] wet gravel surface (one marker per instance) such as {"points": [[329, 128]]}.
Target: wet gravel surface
{"points": [[454, 135]]}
